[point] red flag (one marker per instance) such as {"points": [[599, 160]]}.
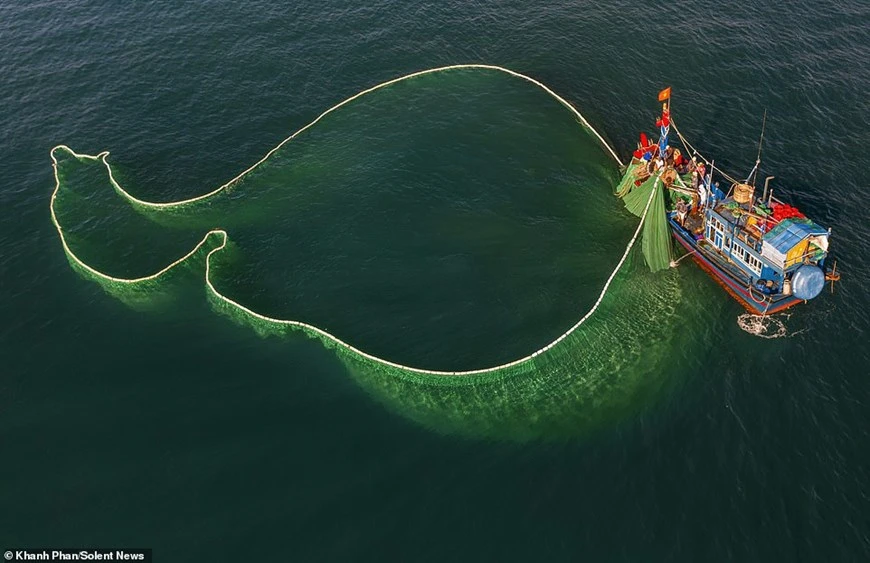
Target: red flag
{"points": [[665, 94]]}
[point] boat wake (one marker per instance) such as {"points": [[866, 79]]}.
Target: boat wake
{"points": [[766, 326]]}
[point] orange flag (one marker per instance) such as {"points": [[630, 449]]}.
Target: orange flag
{"points": [[665, 94]]}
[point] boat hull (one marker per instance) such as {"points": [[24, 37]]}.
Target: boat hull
{"points": [[754, 302]]}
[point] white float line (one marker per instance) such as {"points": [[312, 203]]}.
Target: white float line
{"points": [[383, 361], [216, 191], [100, 275], [313, 328]]}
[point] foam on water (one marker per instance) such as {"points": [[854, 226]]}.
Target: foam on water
{"points": [[764, 326]]}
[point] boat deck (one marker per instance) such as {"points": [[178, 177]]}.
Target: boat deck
{"points": [[729, 276]]}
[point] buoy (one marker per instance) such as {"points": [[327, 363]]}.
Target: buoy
{"points": [[808, 281]]}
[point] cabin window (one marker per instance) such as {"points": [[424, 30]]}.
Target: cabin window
{"points": [[748, 259]]}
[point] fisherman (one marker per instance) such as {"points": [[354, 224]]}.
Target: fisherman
{"points": [[695, 180], [682, 210], [641, 174], [680, 163], [702, 195], [707, 184], [713, 194]]}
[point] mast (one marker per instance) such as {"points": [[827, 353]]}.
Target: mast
{"points": [[754, 173], [710, 185]]}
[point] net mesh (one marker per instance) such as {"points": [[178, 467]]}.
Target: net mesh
{"points": [[607, 364], [656, 243]]}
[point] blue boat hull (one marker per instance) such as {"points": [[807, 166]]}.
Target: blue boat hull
{"points": [[753, 302]]}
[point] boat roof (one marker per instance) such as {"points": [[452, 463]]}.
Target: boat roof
{"points": [[790, 232]]}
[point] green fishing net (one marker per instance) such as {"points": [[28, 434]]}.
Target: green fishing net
{"points": [[609, 362], [657, 248]]}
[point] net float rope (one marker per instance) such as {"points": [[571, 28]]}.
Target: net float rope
{"points": [[311, 329]]}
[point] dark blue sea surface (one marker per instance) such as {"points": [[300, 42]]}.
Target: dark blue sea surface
{"points": [[450, 222]]}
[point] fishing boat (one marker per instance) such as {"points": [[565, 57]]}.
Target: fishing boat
{"points": [[766, 253]]}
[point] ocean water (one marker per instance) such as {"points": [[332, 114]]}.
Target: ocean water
{"points": [[451, 222]]}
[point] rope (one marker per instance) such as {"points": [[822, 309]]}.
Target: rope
{"points": [[695, 151], [751, 172], [677, 261], [324, 334], [155, 205], [769, 300]]}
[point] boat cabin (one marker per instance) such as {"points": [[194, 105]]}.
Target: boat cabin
{"points": [[761, 243]]}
